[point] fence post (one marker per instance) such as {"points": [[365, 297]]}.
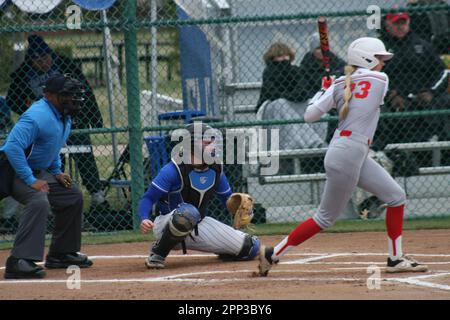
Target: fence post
{"points": [[133, 100]]}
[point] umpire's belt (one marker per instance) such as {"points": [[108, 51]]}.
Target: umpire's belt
{"points": [[353, 136]]}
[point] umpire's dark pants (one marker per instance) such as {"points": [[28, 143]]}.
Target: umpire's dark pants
{"points": [[67, 205]]}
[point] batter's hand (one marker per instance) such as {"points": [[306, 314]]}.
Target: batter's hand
{"points": [[327, 82], [146, 226], [41, 185], [64, 179]]}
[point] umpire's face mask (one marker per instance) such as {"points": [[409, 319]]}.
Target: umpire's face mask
{"points": [[70, 103]]}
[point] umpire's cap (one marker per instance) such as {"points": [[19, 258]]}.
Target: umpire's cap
{"points": [[64, 84]]}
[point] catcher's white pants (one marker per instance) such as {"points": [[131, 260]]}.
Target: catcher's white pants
{"points": [[213, 236], [347, 166]]}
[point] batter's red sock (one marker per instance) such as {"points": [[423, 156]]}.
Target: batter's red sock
{"points": [[303, 232], [394, 226]]}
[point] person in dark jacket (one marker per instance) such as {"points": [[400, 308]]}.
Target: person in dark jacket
{"points": [[418, 82], [5, 117], [280, 77], [432, 26], [284, 96], [40, 63], [7, 217], [312, 69]]}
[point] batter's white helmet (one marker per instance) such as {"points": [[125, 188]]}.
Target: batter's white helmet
{"points": [[362, 52]]}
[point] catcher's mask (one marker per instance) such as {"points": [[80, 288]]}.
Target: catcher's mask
{"points": [[69, 91], [206, 143]]}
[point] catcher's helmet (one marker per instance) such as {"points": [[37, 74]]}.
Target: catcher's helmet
{"points": [[203, 137], [363, 51]]}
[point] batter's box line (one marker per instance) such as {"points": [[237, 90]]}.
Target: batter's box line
{"points": [[179, 278], [314, 256], [416, 280]]}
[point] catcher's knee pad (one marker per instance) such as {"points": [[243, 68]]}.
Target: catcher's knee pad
{"points": [[180, 225], [184, 220], [250, 248]]}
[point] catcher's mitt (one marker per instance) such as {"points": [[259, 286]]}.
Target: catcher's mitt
{"points": [[240, 206]]}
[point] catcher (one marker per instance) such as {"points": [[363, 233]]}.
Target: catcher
{"points": [[181, 193]]}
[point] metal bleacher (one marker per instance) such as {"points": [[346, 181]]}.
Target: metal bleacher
{"points": [[422, 190]]}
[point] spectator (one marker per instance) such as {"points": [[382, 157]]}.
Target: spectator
{"points": [[418, 81], [8, 219], [40, 63], [432, 26], [312, 69], [40, 184], [287, 88], [280, 77], [5, 117], [313, 72]]}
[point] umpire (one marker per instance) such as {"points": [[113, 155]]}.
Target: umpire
{"points": [[40, 63], [33, 149]]}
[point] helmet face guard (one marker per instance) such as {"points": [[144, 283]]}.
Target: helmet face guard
{"points": [[69, 92], [206, 145], [71, 97], [201, 145]]}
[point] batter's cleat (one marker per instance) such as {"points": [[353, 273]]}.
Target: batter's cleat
{"points": [[405, 264], [155, 261], [265, 260], [22, 269], [65, 260]]}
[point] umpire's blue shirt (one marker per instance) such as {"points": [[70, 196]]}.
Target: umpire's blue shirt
{"points": [[43, 127]]}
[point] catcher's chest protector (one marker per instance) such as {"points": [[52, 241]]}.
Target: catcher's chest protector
{"points": [[199, 186]]}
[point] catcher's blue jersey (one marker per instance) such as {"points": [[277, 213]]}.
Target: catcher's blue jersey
{"points": [[166, 189]]}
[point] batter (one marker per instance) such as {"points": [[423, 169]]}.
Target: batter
{"points": [[357, 96]]}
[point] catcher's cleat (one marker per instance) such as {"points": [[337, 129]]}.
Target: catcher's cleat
{"points": [[155, 261], [265, 260], [405, 264]]}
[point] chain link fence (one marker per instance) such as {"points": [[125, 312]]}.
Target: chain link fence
{"points": [[152, 66]]}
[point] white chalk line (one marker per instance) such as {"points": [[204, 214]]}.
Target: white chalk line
{"points": [[181, 278], [363, 263], [310, 260], [417, 282], [313, 260]]}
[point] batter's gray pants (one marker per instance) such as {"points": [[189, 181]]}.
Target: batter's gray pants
{"points": [[66, 204], [348, 166]]}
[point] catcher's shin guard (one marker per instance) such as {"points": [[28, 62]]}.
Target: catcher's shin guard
{"points": [[180, 225], [250, 248]]}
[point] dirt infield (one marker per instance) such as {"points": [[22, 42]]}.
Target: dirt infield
{"points": [[329, 266]]}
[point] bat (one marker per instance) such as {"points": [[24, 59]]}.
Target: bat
{"points": [[324, 44]]}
